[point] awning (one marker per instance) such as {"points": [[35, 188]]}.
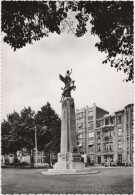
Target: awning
{"points": [[90, 143], [79, 125], [80, 145]]}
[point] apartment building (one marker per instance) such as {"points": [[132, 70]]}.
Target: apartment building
{"points": [[85, 127], [103, 137]]}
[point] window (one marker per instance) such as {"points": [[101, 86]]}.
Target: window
{"points": [[127, 117], [120, 145], [91, 125], [111, 146], [106, 147], [112, 120], [80, 136], [98, 135], [90, 113], [127, 144], [39, 160], [119, 120], [98, 124], [119, 132], [90, 118], [79, 115], [127, 130], [120, 158], [80, 125], [105, 158], [107, 121], [91, 134], [111, 133], [91, 148], [98, 147], [107, 134]]}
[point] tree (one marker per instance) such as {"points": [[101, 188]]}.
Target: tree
{"points": [[5, 131], [24, 21], [11, 134], [27, 131], [48, 129], [113, 23], [18, 133]]}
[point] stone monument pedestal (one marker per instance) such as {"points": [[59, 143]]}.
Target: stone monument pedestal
{"points": [[69, 161], [68, 158]]}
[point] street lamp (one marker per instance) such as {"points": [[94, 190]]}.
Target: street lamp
{"points": [[35, 146]]}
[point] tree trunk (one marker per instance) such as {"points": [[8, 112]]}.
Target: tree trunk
{"points": [[15, 159], [50, 159], [31, 159]]}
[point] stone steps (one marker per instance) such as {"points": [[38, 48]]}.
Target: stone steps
{"points": [[69, 172]]}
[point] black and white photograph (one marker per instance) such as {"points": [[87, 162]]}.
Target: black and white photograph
{"points": [[67, 97]]}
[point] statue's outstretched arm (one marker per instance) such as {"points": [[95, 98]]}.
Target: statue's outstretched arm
{"points": [[71, 71]]}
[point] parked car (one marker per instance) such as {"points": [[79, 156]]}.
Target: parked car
{"points": [[107, 164], [112, 163], [42, 165], [3, 165]]}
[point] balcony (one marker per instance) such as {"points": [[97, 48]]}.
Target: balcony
{"points": [[106, 138], [108, 151], [105, 127]]}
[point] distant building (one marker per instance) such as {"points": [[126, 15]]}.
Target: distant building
{"points": [[85, 127], [103, 137], [41, 157]]}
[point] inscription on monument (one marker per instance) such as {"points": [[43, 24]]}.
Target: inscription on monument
{"points": [[76, 159]]}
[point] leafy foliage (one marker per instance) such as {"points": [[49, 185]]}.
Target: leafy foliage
{"points": [[25, 21], [48, 129], [14, 136], [18, 132], [113, 23], [29, 20], [5, 130], [27, 128]]}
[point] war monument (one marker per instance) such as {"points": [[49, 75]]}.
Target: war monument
{"points": [[69, 159]]}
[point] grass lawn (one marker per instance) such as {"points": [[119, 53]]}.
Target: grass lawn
{"points": [[117, 180]]}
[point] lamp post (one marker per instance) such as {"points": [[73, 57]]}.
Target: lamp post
{"points": [[35, 146]]}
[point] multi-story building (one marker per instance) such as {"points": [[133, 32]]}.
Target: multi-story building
{"points": [[114, 137], [103, 137], [85, 127]]}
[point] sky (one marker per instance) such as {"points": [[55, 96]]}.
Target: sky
{"points": [[30, 75]]}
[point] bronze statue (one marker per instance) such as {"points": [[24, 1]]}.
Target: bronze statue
{"points": [[69, 85]]}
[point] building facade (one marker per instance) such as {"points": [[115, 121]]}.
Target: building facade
{"points": [[85, 127], [105, 138]]}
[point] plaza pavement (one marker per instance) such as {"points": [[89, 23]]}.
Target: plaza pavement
{"points": [[109, 180]]}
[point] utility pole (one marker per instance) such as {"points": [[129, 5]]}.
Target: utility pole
{"points": [[35, 146]]}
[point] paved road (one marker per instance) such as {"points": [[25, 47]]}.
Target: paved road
{"points": [[117, 180]]}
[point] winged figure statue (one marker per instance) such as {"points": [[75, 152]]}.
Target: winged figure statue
{"points": [[69, 85]]}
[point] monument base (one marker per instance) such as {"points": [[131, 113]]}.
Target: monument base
{"points": [[69, 164], [69, 161], [84, 171]]}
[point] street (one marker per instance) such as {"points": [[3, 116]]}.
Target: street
{"points": [[109, 180]]}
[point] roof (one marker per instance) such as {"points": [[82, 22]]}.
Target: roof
{"points": [[129, 105], [122, 110], [106, 115]]}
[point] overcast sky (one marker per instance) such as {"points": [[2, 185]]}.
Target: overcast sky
{"points": [[30, 76]]}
